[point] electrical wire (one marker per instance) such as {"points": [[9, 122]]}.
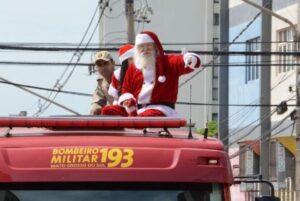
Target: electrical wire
{"points": [[218, 65], [226, 47], [115, 2], [250, 124], [204, 66], [179, 103], [249, 132], [237, 117], [33, 44], [233, 105], [44, 106], [109, 33], [262, 138], [240, 120], [233, 132], [46, 89], [114, 17], [43, 97]]}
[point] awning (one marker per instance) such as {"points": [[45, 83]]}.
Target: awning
{"points": [[289, 142], [253, 144]]}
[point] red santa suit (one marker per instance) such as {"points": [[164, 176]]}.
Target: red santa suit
{"points": [[125, 52], [153, 91]]}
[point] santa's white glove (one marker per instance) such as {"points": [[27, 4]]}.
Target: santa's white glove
{"points": [[128, 101], [192, 60], [130, 107]]}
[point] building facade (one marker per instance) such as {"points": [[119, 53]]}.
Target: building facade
{"points": [[244, 88]]}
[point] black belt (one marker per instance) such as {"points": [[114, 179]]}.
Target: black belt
{"points": [[171, 105]]}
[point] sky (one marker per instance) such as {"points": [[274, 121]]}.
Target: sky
{"points": [[56, 21], [46, 21]]}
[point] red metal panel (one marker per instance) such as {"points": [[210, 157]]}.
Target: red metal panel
{"points": [[95, 123], [80, 158]]}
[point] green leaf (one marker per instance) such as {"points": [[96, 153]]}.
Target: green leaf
{"points": [[212, 129]]}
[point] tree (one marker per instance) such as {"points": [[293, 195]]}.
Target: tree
{"points": [[212, 129]]}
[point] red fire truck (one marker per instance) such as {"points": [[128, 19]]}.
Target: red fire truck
{"points": [[110, 158]]}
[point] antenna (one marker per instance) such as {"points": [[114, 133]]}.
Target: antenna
{"points": [[205, 133], [190, 123]]}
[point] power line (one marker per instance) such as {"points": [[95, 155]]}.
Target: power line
{"points": [[252, 123], [179, 103], [119, 44], [254, 128], [43, 97], [107, 34], [233, 105], [244, 149], [44, 106], [218, 65], [216, 57], [46, 89], [115, 49], [42, 63], [249, 132]]}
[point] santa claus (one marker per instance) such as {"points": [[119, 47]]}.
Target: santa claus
{"points": [[150, 85]]}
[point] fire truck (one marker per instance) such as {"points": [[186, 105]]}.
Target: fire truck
{"points": [[110, 158]]}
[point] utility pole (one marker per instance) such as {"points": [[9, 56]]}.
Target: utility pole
{"points": [[265, 98], [102, 24], [223, 73], [129, 10], [297, 126]]}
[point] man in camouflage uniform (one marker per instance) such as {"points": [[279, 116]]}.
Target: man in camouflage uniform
{"points": [[105, 67]]}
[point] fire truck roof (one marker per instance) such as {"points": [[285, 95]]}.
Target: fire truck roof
{"points": [[129, 155]]}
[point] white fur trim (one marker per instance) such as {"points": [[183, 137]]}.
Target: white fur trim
{"points": [[148, 85], [161, 78], [143, 38], [124, 97], [128, 54], [113, 91], [169, 112], [117, 73], [115, 102], [130, 109], [191, 57]]}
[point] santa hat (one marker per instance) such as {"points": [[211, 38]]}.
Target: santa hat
{"points": [[151, 37], [125, 52], [143, 38]]}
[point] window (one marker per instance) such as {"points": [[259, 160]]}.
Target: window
{"points": [[215, 94], [205, 192], [215, 72], [273, 169], [252, 61], [215, 89], [214, 116], [286, 62], [215, 42], [216, 19]]}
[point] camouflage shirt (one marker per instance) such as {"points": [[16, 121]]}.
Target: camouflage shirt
{"points": [[100, 96]]}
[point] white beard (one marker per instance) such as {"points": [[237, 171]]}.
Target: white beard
{"points": [[144, 61]]}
